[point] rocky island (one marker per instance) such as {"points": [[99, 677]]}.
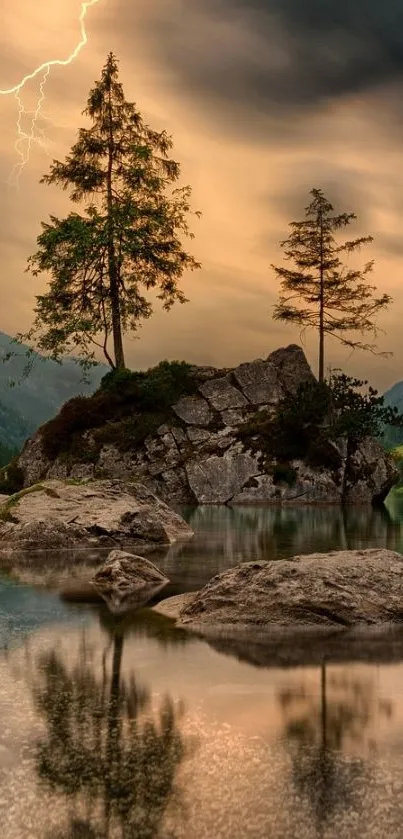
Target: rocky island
{"points": [[196, 435]]}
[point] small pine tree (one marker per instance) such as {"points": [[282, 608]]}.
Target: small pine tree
{"points": [[338, 299], [127, 241]]}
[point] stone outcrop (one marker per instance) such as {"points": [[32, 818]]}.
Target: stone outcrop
{"points": [[56, 514], [369, 473], [199, 455], [336, 590], [218, 479], [126, 581]]}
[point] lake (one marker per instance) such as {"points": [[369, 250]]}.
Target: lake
{"points": [[130, 728]]}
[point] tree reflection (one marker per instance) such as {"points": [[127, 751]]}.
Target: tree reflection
{"points": [[318, 732], [112, 756], [225, 536]]}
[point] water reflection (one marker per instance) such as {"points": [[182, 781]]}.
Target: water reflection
{"points": [[319, 729], [90, 748], [225, 536], [107, 750], [24, 609]]}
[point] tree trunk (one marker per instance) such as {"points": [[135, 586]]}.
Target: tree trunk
{"points": [[321, 309], [323, 699], [112, 737], [112, 262], [321, 350]]}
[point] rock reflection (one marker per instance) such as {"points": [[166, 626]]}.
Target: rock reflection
{"points": [[225, 536], [318, 734], [108, 750]]}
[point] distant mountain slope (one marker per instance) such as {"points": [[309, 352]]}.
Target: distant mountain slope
{"points": [[37, 398], [394, 397]]}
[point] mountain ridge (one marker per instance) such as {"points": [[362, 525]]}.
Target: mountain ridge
{"points": [[36, 398]]}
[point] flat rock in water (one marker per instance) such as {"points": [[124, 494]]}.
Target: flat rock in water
{"points": [[172, 606], [336, 590], [58, 513], [126, 581]]}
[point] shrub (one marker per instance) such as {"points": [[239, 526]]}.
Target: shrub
{"points": [[283, 473], [11, 478], [306, 425], [129, 432], [116, 380], [323, 452], [155, 389], [288, 433], [76, 416], [127, 400], [357, 413]]}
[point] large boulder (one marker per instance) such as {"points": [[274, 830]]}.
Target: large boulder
{"points": [[338, 590], [126, 581], [104, 512]]}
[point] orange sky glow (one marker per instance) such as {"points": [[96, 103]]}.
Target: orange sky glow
{"points": [[250, 160]]}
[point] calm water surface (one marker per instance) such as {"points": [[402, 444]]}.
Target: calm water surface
{"points": [[129, 728]]}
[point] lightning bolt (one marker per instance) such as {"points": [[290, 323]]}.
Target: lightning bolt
{"points": [[35, 134]]}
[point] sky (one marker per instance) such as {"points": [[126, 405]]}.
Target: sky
{"points": [[264, 99]]}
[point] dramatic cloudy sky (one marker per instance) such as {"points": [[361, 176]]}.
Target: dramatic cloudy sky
{"points": [[265, 99]]}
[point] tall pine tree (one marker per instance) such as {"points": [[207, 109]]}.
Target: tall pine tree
{"points": [[127, 240], [321, 292]]}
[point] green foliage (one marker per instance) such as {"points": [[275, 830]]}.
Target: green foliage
{"points": [[308, 424], [285, 474], [128, 240], [334, 299], [115, 380], [356, 413], [392, 436], [127, 408], [397, 454], [11, 478], [295, 426], [130, 432], [154, 389]]}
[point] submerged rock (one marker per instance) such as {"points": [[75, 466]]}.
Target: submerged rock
{"points": [[126, 581], [340, 589], [60, 514]]}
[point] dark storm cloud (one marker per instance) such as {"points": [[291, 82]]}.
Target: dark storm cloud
{"points": [[300, 53]]}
